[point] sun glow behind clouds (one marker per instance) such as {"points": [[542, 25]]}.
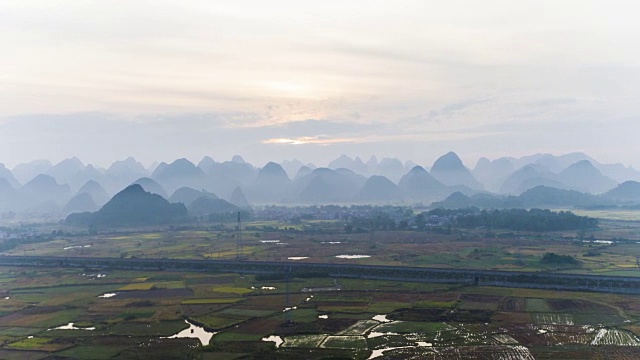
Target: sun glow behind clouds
{"points": [[433, 136], [407, 75], [304, 140], [292, 89]]}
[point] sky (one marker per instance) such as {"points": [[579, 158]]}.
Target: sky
{"points": [[275, 80]]}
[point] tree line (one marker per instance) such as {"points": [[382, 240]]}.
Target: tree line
{"points": [[443, 220], [526, 220]]}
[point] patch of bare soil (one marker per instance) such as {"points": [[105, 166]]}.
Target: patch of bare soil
{"points": [[259, 326], [480, 298], [35, 310], [335, 325], [512, 304], [512, 318], [396, 297], [201, 309], [440, 297], [41, 310]]}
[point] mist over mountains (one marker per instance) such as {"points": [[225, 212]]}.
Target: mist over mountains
{"points": [[40, 188]]}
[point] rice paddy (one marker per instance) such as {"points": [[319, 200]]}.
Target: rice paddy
{"points": [[244, 321], [138, 314]]}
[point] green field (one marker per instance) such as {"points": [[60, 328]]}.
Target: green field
{"points": [[343, 323], [609, 250], [330, 317]]}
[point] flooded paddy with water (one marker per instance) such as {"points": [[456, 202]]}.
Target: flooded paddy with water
{"points": [[133, 314]]}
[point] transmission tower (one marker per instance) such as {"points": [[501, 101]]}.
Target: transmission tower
{"points": [[238, 238]]}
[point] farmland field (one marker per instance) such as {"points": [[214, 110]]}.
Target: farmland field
{"points": [[103, 314], [609, 250], [383, 319]]}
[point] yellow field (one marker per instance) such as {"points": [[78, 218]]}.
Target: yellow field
{"points": [[627, 215], [232, 290], [138, 286], [211, 301]]}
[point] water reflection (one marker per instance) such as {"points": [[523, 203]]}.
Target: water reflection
{"points": [[107, 295], [70, 326], [380, 352], [274, 338], [375, 334], [353, 256], [195, 332], [76, 247], [381, 318]]}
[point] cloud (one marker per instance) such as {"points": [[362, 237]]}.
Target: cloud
{"points": [[224, 77]]}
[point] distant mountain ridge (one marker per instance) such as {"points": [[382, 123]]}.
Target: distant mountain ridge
{"points": [[627, 192], [40, 187], [8, 176]]}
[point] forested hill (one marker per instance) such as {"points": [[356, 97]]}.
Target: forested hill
{"points": [[132, 207]]}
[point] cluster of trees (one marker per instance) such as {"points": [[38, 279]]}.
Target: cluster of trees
{"points": [[527, 220], [381, 218], [229, 217], [8, 244], [377, 221], [443, 220], [558, 260]]}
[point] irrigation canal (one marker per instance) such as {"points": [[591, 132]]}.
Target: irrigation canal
{"points": [[534, 280]]}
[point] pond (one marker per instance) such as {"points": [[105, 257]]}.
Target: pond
{"points": [[381, 318], [70, 326], [107, 295], [380, 352], [195, 332], [76, 247], [274, 338], [353, 256], [96, 276]]}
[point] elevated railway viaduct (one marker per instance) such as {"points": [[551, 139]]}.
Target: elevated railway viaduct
{"points": [[535, 280]]}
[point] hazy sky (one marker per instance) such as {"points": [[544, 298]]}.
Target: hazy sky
{"points": [[160, 80]]}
